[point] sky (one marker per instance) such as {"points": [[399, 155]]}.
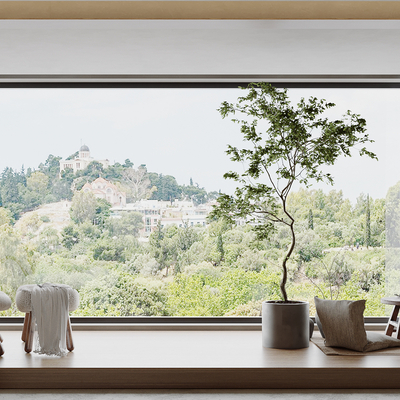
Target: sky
{"points": [[179, 132]]}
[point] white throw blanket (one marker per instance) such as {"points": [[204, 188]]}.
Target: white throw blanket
{"points": [[50, 315]]}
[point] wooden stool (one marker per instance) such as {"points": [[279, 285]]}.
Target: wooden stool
{"points": [[5, 304], [392, 325], [24, 304]]}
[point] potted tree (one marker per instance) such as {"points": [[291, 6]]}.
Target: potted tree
{"points": [[285, 144]]}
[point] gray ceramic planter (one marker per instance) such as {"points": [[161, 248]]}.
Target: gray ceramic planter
{"points": [[285, 325]]}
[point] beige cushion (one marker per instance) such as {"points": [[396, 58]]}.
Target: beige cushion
{"points": [[5, 302], [24, 304], [378, 341], [343, 323]]}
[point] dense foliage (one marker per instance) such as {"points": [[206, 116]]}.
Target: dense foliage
{"points": [[220, 269]]}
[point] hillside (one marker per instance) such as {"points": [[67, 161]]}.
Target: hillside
{"points": [[57, 213]]}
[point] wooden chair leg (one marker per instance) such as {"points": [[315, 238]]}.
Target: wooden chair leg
{"points": [[70, 343], [1, 350], [397, 330], [25, 329], [392, 323], [29, 335]]}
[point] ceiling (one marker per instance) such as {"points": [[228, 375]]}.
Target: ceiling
{"points": [[201, 50]]}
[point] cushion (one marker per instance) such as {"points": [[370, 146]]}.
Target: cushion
{"points": [[5, 302], [23, 298], [343, 323], [321, 331], [378, 341]]}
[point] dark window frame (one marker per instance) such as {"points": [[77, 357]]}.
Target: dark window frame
{"points": [[125, 82]]}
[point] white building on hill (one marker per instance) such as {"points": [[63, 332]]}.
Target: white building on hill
{"points": [[179, 213], [82, 161]]}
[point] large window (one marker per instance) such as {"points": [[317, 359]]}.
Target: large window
{"points": [[108, 190]]}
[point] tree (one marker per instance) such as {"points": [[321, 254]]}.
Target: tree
{"points": [[196, 194], [102, 212], [49, 241], [130, 223], [109, 249], [293, 144], [220, 246], [122, 294], [5, 216], [367, 223], [70, 236], [310, 219], [164, 245], [36, 189], [30, 223], [167, 187], [83, 207], [51, 168], [128, 163], [61, 190], [186, 236], [113, 172], [73, 156], [378, 226], [393, 216], [14, 258], [309, 245], [9, 186], [93, 171], [335, 271], [138, 182]]}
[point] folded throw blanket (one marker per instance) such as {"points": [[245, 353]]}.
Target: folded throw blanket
{"points": [[50, 315]]}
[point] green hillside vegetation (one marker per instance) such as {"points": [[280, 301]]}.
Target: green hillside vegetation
{"points": [[194, 271], [22, 191]]}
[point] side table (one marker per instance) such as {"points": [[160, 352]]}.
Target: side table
{"points": [[393, 324]]}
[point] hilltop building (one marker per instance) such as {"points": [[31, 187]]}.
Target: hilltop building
{"points": [[81, 161], [103, 189]]}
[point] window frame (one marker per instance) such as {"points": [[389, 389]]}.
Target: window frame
{"points": [[125, 82]]}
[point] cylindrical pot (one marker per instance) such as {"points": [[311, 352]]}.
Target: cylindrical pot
{"points": [[285, 325]]}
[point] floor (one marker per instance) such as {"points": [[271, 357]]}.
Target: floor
{"points": [[188, 360]]}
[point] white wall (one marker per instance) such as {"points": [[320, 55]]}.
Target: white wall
{"points": [[198, 48]]}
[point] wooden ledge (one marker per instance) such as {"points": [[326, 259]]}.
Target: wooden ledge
{"points": [[189, 360]]}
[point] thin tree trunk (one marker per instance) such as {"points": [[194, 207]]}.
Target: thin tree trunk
{"points": [[284, 267]]}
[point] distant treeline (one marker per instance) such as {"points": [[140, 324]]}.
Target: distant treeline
{"points": [[22, 191]]}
